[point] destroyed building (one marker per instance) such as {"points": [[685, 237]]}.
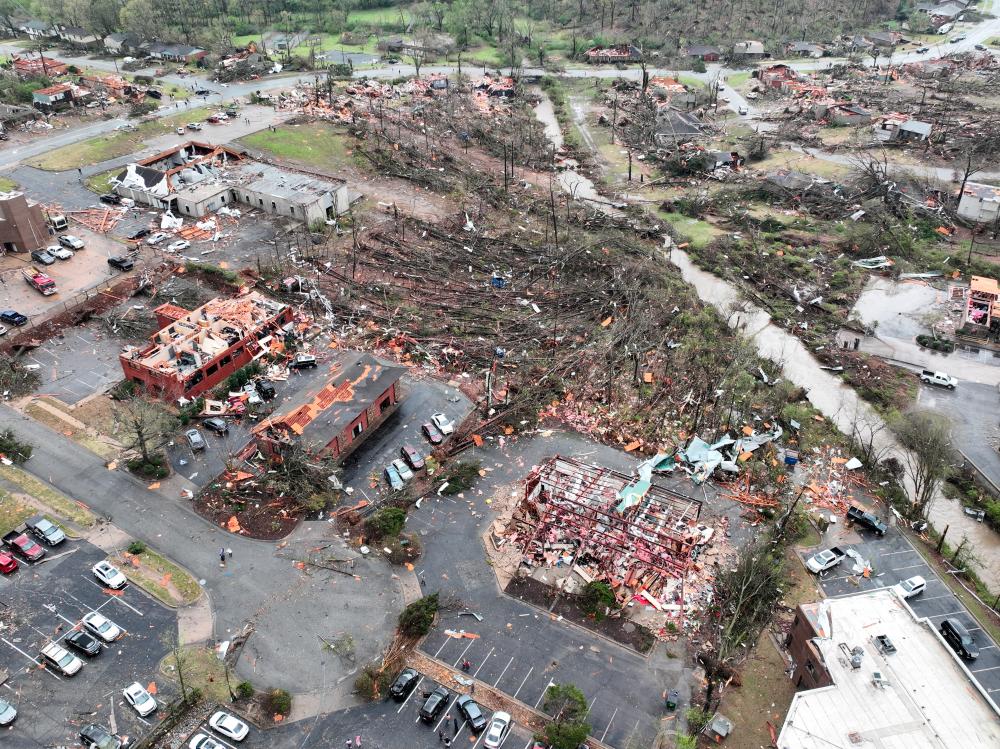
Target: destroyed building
{"points": [[195, 351], [983, 307], [27, 66], [609, 55], [358, 393], [979, 203], [600, 524], [195, 179], [898, 128], [22, 224]]}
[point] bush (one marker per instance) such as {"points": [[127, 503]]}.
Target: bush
{"points": [[416, 619], [278, 702], [244, 690], [238, 379], [124, 390], [696, 719], [698, 66], [136, 547], [14, 449], [596, 599], [404, 549], [372, 683], [213, 272], [190, 411], [141, 109], [386, 522], [460, 476], [155, 468]]}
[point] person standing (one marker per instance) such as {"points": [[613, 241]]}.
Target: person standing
{"points": [[222, 557]]}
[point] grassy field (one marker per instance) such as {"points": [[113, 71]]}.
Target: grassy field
{"points": [[376, 16], [13, 512], [7, 184], [699, 233], [160, 577], [802, 163], [59, 503], [114, 145], [101, 183], [317, 144], [202, 670]]}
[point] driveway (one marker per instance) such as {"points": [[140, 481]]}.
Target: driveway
{"points": [[894, 559]]}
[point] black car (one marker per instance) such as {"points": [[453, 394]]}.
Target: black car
{"points": [[111, 199], [266, 390], [83, 642], [469, 709], [43, 257], [404, 684], [139, 233], [121, 262], [434, 704], [413, 458], [217, 425], [154, 93], [959, 638], [13, 318], [203, 92], [98, 737]]}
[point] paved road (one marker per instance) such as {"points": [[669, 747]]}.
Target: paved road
{"points": [[893, 559]]}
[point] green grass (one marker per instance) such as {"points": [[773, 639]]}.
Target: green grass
{"points": [[486, 53], [317, 144], [150, 576], [202, 670], [114, 145], [376, 16], [13, 512], [58, 502], [802, 163], [699, 233], [7, 184], [101, 183], [735, 80]]}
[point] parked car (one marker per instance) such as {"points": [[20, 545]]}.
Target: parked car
{"points": [[153, 93], [139, 233], [303, 361], [266, 390], [956, 635], [911, 586], [204, 92], [229, 726], [111, 198], [122, 263], [7, 563], [8, 713], [923, 50], [3, 330], [194, 126], [180, 131], [404, 684], [443, 423], [45, 530], [867, 519], [195, 440], [68, 240], [217, 425], [43, 257], [434, 704], [180, 244], [742, 111], [99, 737], [981, 47], [83, 642], [23, 546], [110, 575], [431, 433], [101, 626], [60, 253], [393, 477], [413, 458], [470, 710], [941, 379], [61, 659], [140, 700], [127, 126], [402, 469], [13, 318], [201, 741], [498, 730], [825, 560], [156, 238]]}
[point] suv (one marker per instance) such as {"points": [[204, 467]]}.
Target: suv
{"points": [[470, 710], [266, 390], [68, 240], [121, 262], [45, 531], [98, 737], [13, 318], [195, 440], [43, 257], [956, 635], [217, 425], [434, 704], [139, 233], [111, 198], [67, 663]]}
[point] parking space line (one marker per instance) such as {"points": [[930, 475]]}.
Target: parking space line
{"points": [[902, 551], [504, 671], [484, 662], [936, 616], [539, 700], [412, 691], [459, 659], [446, 639], [911, 567], [987, 647], [54, 676], [981, 670], [934, 598], [112, 597], [213, 736], [609, 724], [445, 711], [479, 739], [523, 681]]}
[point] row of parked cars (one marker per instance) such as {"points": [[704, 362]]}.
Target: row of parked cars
{"points": [[401, 470]]}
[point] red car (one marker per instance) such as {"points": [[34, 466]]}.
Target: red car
{"points": [[7, 563], [432, 433], [411, 456], [24, 547]]}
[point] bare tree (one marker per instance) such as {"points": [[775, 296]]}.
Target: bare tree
{"points": [[928, 458], [146, 425]]}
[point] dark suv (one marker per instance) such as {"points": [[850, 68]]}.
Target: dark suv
{"points": [[121, 262], [217, 425], [959, 638], [471, 712], [434, 704]]}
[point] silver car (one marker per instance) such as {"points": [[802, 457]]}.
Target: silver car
{"points": [[195, 440], [7, 712]]}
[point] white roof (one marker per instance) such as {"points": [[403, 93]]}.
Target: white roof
{"points": [[929, 700]]}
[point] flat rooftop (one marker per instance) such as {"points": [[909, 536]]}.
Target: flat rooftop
{"points": [[927, 699], [286, 185]]}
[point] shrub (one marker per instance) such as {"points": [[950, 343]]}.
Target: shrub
{"points": [[416, 619], [190, 411], [386, 522], [403, 549], [696, 718], [278, 702], [238, 379], [596, 599], [154, 468], [136, 547], [13, 448], [460, 476], [141, 108], [698, 66], [244, 690]]}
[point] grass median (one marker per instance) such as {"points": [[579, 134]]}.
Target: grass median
{"points": [[159, 577], [59, 503], [13, 512], [201, 669]]}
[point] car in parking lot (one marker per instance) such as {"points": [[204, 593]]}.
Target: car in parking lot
{"points": [[110, 575], [68, 240], [45, 530], [229, 726], [194, 126], [404, 684], [140, 700], [83, 642], [402, 469], [7, 563], [432, 433], [302, 361], [412, 456], [101, 626], [111, 198], [139, 233], [434, 704], [8, 713], [393, 477], [61, 659], [194, 439], [43, 257], [445, 425], [13, 317], [956, 635], [471, 711], [156, 238], [180, 244], [498, 730], [122, 263], [266, 390], [217, 425], [99, 737], [60, 253], [912, 586], [23, 546], [203, 741]]}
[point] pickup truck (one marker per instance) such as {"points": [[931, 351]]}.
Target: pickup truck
{"points": [[21, 544], [867, 519], [938, 378], [825, 560], [39, 281], [45, 531]]}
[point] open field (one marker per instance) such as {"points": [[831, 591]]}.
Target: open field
{"points": [[317, 144]]}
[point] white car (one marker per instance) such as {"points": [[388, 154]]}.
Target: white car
{"points": [[137, 696], [404, 470], [228, 726], [101, 626], [156, 238], [201, 741], [497, 731], [911, 587], [3, 330], [180, 244], [61, 253], [445, 425], [108, 574]]}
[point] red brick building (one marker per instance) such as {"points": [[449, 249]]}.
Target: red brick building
{"points": [[357, 394], [810, 623], [195, 351], [22, 224]]}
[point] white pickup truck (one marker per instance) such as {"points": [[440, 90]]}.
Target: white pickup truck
{"points": [[938, 378], [825, 560]]}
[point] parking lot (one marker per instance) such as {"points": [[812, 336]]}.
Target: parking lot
{"points": [[78, 362], [45, 602], [894, 559]]}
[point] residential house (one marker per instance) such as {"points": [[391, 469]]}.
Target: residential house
{"points": [[283, 42], [429, 45], [357, 393], [945, 13], [937, 68], [77, 36], [58, 96], [842, 113], [885, 38], [12, 115], [671, 92], [979, 203], [805, 49], [121, 44], [703, 52], [983, 306], [858, 42], [35, 29], [776, 76], [898, 128], [23, 227], [181, 53], [749, 48], [195, 351], [503, 86], [38, 66], [674, 126], [110, 85], [787, 181], [620, 53]]}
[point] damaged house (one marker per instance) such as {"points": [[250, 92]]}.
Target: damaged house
{"points": [[983, 307], [979, 203], [674, 126], [897, 128], [842, 113], [610, 55]]}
